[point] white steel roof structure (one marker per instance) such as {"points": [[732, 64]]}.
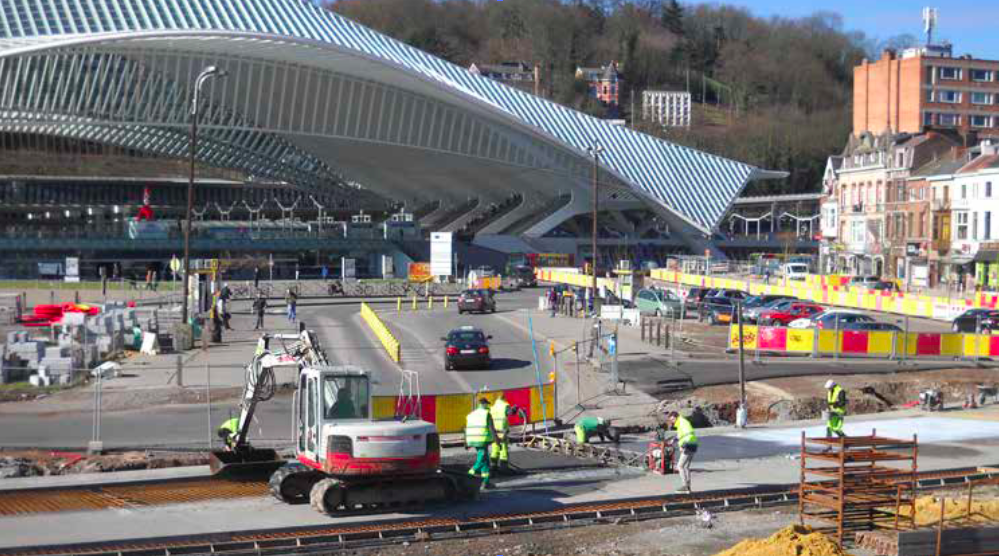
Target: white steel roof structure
{"points": [[316, 99]]}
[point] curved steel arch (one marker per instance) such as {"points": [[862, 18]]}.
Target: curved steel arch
{"points": [[532, 132]]}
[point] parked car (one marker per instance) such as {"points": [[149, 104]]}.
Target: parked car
{"points": [[885, 285], [872, 326], [976, 320], [752, 312], [731, 294], [831, 320], [863, 281], [716, 310], [793, 311], [795, 271], [523, 275], [694, 297], [466, 347], [481, 301], [658, 302]]}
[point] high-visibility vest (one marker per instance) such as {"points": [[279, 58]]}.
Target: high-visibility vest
{"points": [[685, 432], [477, 433], [833, 398], [232, 425], [498, 411]]}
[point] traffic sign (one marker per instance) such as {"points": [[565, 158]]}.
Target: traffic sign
{"points": [[175, 264]]}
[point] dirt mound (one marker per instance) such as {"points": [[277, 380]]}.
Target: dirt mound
{"points": [[31, 463], [793, 540], [955, 510]]}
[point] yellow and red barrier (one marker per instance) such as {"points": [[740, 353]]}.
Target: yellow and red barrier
{"points": [[382, 332], [862, 342], [488, 283], [448, 411]]}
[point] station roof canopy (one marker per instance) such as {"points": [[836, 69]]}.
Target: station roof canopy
{"points": [[314, 98]]}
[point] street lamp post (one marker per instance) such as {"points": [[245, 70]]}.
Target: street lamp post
{"points": [[205, 75], [595, 151]]}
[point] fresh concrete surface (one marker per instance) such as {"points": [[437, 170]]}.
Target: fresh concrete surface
{"points": [[102, 479]]}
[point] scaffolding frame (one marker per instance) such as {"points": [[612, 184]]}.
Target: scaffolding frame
{"points": [[849, 485]]}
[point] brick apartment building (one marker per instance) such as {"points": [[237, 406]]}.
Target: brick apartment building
{"points": [[926, 88]]}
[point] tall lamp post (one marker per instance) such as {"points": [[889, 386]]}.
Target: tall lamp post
{"points": [[206, 74], [595, 151]]}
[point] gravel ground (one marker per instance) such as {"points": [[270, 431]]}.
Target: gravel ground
{"points": [[682, 536]]}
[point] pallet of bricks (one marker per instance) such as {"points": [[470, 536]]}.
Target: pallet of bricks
{"points": [[857, 483]]}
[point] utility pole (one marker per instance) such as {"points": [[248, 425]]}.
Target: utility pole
{"points": [[743, 413], [595, 151]]}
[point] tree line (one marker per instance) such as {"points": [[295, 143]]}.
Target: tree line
{"points": [[771, 92]]}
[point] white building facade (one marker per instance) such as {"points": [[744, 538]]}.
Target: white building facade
{"points": [[669, 108]]}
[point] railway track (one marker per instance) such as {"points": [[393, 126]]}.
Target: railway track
{"points": [[332, 538]]}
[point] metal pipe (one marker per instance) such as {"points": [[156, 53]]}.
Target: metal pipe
{"points": [[595, 151]]}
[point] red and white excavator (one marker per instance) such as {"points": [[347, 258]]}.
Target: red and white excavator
{"points": [[344, 460]]}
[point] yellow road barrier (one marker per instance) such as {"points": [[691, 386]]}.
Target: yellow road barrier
{"points": [[382, 332]]}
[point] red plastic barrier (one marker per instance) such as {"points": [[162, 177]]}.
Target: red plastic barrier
{"points": [[855, 341], [928, 344], [772, 338]]}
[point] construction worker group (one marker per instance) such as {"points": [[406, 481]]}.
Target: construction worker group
{"points": [[487, 430]]}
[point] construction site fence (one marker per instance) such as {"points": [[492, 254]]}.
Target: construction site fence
{"points": [[448, 411], [821, 290], [858, 343], [574, 279], [382, 332]]}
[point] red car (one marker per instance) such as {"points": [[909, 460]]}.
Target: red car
{"points": [[784, 316]]}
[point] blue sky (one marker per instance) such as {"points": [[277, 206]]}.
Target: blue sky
{"points": [[970, 26]]}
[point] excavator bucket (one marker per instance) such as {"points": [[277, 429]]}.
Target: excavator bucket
{"points": [[247, 465]]}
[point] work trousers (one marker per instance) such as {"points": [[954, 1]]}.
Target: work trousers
{"points": [[500, 450], [683, 465], [260, 321], [481, 467], [292, 314], [834, 426]]}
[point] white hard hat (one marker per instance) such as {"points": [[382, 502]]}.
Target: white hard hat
{"points": [[830, 383]]}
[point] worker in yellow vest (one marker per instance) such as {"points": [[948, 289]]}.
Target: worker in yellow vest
{"points": [[479, 434], [686, 442], [836, 402], [500, 451], [228, 431]]}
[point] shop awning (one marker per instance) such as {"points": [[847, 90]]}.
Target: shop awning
{"points": [[987, 256]]}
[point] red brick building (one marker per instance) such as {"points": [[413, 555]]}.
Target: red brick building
{"points": [[926, 88], [604, 82]]}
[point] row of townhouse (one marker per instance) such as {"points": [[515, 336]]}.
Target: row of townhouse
{"points": [[923, 209]]}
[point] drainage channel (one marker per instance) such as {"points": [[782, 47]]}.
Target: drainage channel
{"points": [[317, 539]]}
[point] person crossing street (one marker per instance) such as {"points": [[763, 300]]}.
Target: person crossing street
{"points": [[259, 309], [479, 434], [836, 401]]}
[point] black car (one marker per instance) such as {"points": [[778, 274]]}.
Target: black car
{"points": [[524, 276], [481, 301], [466, 347], [694, 297], [976, 320], [731, 294], [717, 310]]}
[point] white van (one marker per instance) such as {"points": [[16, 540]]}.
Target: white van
{"points": [[795, 271]]}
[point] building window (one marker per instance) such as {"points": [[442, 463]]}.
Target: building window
{"points": [[981, 75], [962, 225], [927, 118], [951, 97], [988, 189], [974, 226], [948, 119], [964, 191], [987, 226], [952, 74], [980, 121], [981, 98]]}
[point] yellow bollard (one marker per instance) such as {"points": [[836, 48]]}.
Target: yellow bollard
{"points": [[398, 305], [445, 303], [415, 308], [430, 303]]}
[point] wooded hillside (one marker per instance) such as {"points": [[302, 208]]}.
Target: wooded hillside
{"points": [[771, 92]]}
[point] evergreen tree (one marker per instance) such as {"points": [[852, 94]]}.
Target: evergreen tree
{"points": [[672, 18]]}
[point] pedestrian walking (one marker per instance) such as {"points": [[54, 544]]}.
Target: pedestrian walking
{"points": [[552, 301], [256, 278], [291, 301], [479, 434], [259, 308], [325, 272], [594, 336], [686, 442]]}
